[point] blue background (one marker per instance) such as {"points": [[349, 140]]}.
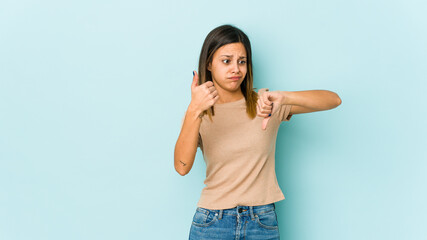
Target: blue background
{"points": [[92, 94]]}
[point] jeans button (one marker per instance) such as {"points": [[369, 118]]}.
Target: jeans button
{"points": [[240, 210]]}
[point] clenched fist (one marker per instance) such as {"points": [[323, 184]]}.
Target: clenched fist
{"points": [[268, 104], [202, 96]]}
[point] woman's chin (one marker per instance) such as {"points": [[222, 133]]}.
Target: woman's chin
{"points": [[234, 86]]}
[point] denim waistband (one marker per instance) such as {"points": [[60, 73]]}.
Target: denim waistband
{"points": [[240, 210]]}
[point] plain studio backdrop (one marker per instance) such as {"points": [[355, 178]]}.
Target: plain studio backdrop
{"points": [[92, 94]]}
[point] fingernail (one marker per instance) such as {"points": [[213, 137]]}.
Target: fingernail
{"points": [[193, 73], [269, 115]]}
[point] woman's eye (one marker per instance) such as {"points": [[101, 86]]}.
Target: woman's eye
{"points": [[228, 61]]}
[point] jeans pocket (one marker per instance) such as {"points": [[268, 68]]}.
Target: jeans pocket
{"points": [[267, 220], [204, 217]]}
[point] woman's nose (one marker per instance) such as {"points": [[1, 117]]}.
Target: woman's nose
{"points": [[236, 67]]}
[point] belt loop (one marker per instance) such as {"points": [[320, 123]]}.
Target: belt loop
{"points": [[220, 214], [251, 210]]}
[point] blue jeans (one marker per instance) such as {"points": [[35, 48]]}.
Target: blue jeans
{"points": [[241, 222]]}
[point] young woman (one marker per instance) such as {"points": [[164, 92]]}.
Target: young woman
{"points": [[236, 129]]}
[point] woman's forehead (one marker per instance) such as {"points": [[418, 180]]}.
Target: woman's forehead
{"points": [[231, 50]]}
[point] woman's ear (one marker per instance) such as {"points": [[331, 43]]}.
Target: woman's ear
{"points": [[209, 67]]}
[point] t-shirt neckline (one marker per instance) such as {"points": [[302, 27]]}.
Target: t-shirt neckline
{"points": [[230, 104]]}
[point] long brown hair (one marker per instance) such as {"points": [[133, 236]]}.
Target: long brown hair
{"points": [[217, 38]]}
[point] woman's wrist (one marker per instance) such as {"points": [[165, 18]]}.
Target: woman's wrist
{"points": [[194, 111], [286, 97]]}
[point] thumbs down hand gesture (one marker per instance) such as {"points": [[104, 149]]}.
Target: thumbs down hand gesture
{"points": [[268, 104]]}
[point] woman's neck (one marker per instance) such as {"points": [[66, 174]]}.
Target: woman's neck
{"points": [[230, 97]]}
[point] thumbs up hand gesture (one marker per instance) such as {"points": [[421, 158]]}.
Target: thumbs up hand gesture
{"points": [[202, 96], [268, 104]]}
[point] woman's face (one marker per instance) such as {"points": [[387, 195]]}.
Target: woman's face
{"points": [[228, 67]]}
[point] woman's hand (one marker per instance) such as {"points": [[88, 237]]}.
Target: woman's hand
{"points": [[268, 104], [202, 96]]}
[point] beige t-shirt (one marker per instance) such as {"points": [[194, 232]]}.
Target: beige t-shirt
{"points": [[239, 157]]}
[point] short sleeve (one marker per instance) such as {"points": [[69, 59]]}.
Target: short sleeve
{"points": [[284, 112]]}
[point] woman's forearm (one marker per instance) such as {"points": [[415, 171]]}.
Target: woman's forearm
{"points": [[314, 99], [186, 145]]}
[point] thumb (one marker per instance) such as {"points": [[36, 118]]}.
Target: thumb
{"points": [[273, 108], [265, 120], [264, 123], [267, 98], [195, 82]]}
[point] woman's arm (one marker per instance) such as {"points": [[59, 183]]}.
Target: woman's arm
{"points": [[202, 97], [310, 101], [186, 145]]}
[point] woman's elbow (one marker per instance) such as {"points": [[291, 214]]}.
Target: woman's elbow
{"points": [[181, 170], [336, 102], [339, 101]]}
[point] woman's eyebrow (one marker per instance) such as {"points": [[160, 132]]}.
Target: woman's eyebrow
{"points": [[231, 56]]}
